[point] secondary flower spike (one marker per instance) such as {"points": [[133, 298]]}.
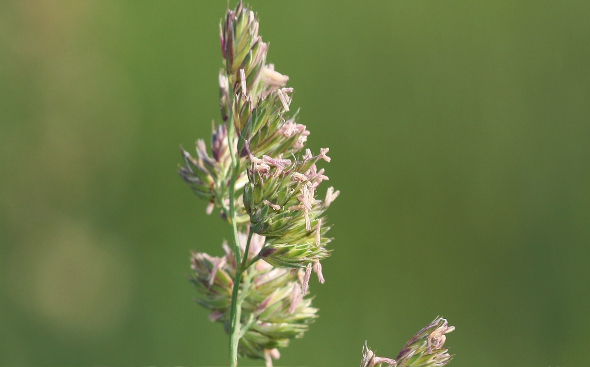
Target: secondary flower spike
{"points": [[425, 349], [274, 311], [209, 176], [280, 199]]}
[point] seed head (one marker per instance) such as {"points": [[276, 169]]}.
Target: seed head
{"points": [[273, 196], [425, 349]]}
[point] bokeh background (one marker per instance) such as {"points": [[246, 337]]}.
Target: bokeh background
{"points": [[459, 133]]}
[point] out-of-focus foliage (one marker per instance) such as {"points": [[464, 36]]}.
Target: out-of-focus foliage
{"points": [[461, 135]]}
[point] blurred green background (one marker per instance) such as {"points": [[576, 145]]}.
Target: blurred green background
{"points": [[459, 136]]}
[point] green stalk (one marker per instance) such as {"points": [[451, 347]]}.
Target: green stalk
{"points": [[236, 307], [245, 264], [234, 321], [236, 301]]}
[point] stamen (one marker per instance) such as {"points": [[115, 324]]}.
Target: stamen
{"points": [[390, 362], [273, 78], [371, 360], [284, 97], [278, 172], [323, 155], [217, 264], [296, 207], [254, 159], [275, 353], [223, 83], [300, 275], [305, 284], [288, 129], [318, 232], [256, 244], [262, 168], [317, 268], [274, 206], [306, 199], [208, 257], [299, 177], [312, 170], [279, 162], [268, 353], [300, 142], [267, 358], [210, 208], [331, 195]]}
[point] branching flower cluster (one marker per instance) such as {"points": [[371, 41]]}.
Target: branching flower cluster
{"points": [[264, 183]]}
